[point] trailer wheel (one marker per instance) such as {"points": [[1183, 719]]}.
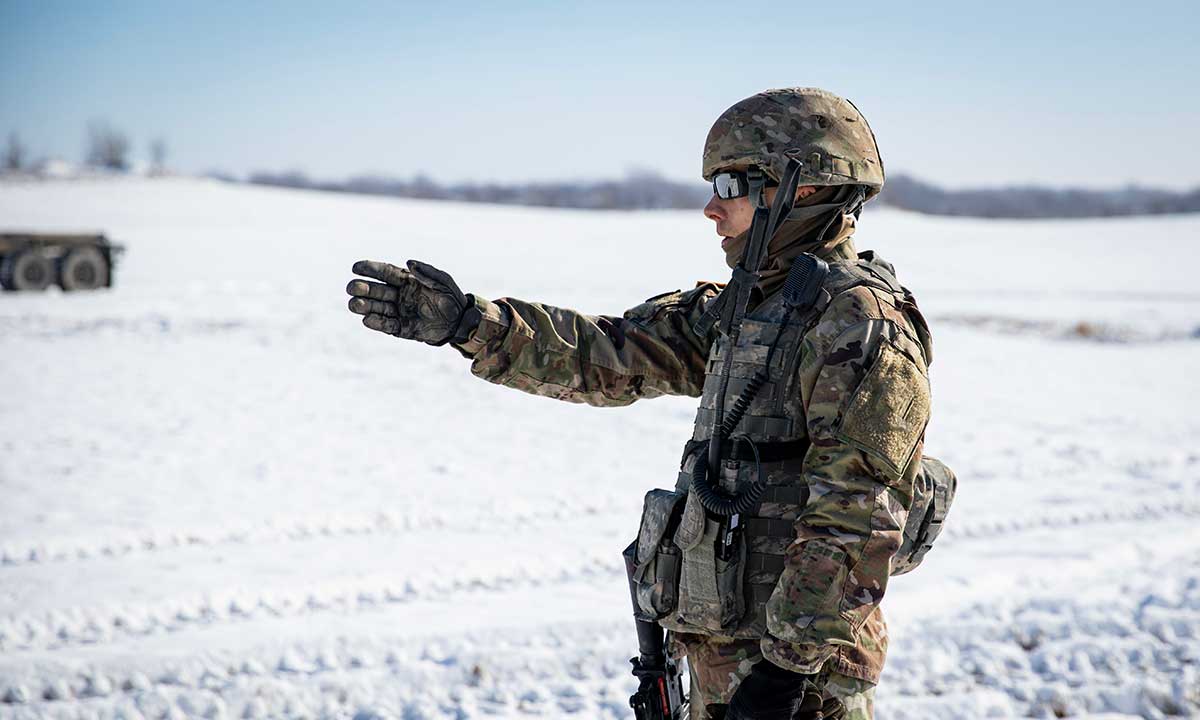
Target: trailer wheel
{"points": [[26, 270], [83, 269]]}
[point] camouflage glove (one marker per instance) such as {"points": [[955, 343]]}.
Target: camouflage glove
{"points": [[420, 303], [771, 693]]}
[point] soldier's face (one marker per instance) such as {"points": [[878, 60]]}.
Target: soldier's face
{"points": [[733, 217]]}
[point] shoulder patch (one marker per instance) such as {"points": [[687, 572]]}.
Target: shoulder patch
{"points": [[887, 414]]}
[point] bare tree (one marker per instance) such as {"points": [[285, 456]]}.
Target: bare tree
{"points": [[14, 154], [158, 156], [107, 147]]}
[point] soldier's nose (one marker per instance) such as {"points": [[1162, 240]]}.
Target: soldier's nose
{"points": [[712, 210]]}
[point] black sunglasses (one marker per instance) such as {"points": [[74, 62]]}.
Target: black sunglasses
{"points": [[733, 184]]}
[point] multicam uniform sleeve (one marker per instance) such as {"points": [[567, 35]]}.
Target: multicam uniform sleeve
{"points": [[865, 389], [596, 359]]}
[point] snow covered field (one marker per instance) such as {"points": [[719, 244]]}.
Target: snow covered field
{"points": [[222, 497]]}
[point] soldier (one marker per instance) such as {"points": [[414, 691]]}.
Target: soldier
{"points": [[768, 562]]}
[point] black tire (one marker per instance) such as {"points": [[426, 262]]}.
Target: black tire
{"points": [[27, 270], [83, 269]]}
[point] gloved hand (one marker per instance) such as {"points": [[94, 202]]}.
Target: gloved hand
{"points": [[420, 303], [770, 692]]}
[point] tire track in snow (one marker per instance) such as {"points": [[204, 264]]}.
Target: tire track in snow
{"points": [[1096, 331], [979, 529], [94, 626], [382, 524], [146, 325], [460, 671]]}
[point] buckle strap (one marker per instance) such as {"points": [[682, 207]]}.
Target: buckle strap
{"points": [[755, 425], [741, 450], [762, 562], [713, 312], [770, 527], [785, 495], [760, 593]]}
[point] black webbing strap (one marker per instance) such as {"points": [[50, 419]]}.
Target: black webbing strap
{"points": [[712, 313], [785, 495], [763, 562], [760, 593], [770, 527], [740, 449], [756, 425]]}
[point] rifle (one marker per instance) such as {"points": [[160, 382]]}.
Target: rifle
{"points": [[660, 690]]}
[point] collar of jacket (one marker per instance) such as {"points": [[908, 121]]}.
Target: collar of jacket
{"points": [[839, 247], [818, 225]]}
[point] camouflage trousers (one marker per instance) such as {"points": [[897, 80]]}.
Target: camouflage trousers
{"points": [[717, 665]]}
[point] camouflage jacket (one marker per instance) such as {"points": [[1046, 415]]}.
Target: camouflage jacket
{"points": [[825, 610]]}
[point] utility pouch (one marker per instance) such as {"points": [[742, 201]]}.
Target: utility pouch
{"points": [[711, 589], [933, 491], [656, 578]]}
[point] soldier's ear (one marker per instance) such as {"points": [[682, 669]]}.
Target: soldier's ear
{"points": [[804, 191]]}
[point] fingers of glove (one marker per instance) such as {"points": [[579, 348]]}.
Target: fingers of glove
{"points": [[833, 709], [810, 706], [388, 325], [382, 271], [363, 306], [432, 278], [372, 290]]}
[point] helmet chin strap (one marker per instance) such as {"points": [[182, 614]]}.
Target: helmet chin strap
{"points": [[758, 186], [756, 246]]}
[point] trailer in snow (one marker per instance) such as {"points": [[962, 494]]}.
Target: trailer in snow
{"points": [[34, 261]]}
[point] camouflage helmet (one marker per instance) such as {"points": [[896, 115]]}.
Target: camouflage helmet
{"points": [[826, 134]]}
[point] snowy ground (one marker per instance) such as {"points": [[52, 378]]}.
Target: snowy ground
{"points": [[223, 497]]}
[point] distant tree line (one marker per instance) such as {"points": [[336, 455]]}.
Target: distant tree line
{"points": [[105, 148], [908, 193], [645, 190], [641, 190]]}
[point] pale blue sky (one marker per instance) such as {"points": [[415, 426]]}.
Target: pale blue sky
{"points": [[1090, 94]]}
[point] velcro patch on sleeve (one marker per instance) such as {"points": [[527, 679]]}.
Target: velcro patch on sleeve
{"points": [[888, 412], [651, 308]]}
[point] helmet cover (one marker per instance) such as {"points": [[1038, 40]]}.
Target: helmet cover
{"points": [[825, 133]]}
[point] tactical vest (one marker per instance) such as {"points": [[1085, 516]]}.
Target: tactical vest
{"points": [[681, 580]]}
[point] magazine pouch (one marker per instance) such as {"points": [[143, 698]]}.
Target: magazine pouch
{"points": [[711, 590], [656, 578]]}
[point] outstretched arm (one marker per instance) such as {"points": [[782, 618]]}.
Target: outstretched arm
{"points": [[601, 360]]}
